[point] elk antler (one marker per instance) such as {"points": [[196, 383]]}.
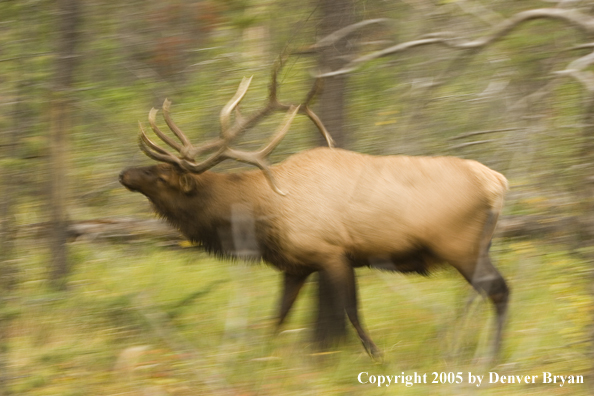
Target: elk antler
{"points": [[220, 147], [188, 151], [272, 105]]}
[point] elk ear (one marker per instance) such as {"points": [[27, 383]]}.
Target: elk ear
{"points": [[187, 183]]}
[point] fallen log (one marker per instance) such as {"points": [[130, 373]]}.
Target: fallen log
{"points": [[137, 230], [126, 229]]}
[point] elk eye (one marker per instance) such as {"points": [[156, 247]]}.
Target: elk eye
{"points": [[161, 178]]}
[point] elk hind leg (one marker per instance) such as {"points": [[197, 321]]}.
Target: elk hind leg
{"points": [[487, 280], [494, 286]]}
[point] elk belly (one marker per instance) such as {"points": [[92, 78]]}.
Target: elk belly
{"points": [[419, 261]]}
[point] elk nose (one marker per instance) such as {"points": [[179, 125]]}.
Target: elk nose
{"points": [[125, 180], [122, 176]]}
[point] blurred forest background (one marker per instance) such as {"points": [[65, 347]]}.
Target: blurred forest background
{"points": [[98, 297]]}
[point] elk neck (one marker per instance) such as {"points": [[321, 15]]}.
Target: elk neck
{"points": [[220, 203]]}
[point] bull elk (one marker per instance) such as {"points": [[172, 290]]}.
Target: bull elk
{"points": [[326, 210]]}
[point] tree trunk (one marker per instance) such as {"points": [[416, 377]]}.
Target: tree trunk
{"points": [[334, 15], [69, 18], [9, 185], [330, 326]]}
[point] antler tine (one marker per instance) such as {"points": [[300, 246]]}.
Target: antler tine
{"points": [[313, 116], [280, 133], [274, 104], [208, 163], [305, 109], [187, 150], [318, 123], [180, 135], [157, 153], [270, 177], [152, 121], [273, 86], [153, 151], [315, 88], [242, 123], [232, 104], [258, 158]]}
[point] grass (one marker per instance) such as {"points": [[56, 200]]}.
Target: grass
{"points": [[141, 320]]}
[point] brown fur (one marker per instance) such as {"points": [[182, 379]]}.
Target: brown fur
{"points": [[342, 210]]}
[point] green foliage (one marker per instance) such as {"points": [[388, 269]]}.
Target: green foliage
{"points": [[82, 339]]}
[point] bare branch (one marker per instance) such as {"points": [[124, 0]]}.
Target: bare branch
{"points": [[346, 31], [572, 17], [465, 135], [381, 53], [581, 46], [462, 145], [576, 70]]}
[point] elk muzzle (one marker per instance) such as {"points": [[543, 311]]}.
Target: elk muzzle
{"points": [[134, 179]]}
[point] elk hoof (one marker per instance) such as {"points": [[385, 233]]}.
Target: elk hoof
{"points": [[374, 352]]}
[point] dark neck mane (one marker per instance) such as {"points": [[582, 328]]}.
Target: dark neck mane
{"points": [[205, 217]]}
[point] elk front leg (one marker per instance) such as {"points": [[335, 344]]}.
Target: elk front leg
{"points": [[330, 327], [292, 285]]}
